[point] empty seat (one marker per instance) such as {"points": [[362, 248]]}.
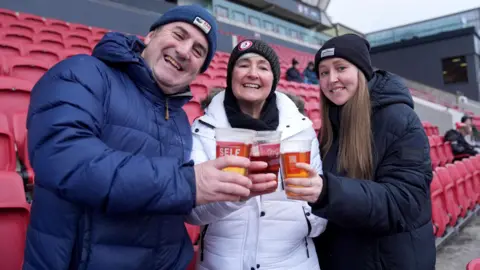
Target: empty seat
{"points": [[449, 201], [8, 15], [426, 126], [20, 27], [433, 152], [459, 189], [58, 25], [76, 38], [14, 96], [14, 216], [474, 264], [193, 110], [19, 121], [31, 19], [42, 53], [99, 31], [440, 216], [468, 184], [46, 33], [81, 29], [27, 69], [48, 42], [16, 36], [442, 156], [448, 151], [469, 163], [81, 47], [10, 48], [199, 91], [7, 147]]}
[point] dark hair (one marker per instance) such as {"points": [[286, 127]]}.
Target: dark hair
{"points": [[465, 118], [212, 93]]}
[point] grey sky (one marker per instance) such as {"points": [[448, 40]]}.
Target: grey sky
{"points": [[371, 15]]}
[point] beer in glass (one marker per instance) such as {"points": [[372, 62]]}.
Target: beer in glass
{"points": [[234, 142], [266, 148], [291, 153]]}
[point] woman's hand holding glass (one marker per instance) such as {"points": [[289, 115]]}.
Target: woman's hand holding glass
{"points": [[305, 189]]}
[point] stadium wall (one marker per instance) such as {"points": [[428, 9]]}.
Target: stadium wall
{"points": [[129, 16], [420, 59]]}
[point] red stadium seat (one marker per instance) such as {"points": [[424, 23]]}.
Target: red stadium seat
{"points": [[193, 110], [42, 53], [10, 48], [449, 201], [14, 217], [14, 96], [27, 68], [8, 160], [474, 264], [439, 213]]}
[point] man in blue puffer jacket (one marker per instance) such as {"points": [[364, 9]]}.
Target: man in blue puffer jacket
{"points": [[110, 146]]}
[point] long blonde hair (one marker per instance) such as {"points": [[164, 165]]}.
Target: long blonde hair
{"points": [[355, 144]]}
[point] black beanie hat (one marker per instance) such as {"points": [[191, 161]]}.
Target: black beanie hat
{"points": [[350, 47], [259, 47]]}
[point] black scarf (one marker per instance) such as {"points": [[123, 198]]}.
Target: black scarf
{"points": [[269, 116]]}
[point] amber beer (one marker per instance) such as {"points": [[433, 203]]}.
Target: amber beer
{"points": [[266, 148], [234, 142], [293, 152]]}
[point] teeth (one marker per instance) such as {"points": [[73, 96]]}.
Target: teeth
{"points": [[335, 90], [173, 62], [251, 85]]}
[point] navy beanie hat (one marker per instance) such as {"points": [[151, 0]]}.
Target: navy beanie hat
{"points": [[350, 47], [197, 16]]}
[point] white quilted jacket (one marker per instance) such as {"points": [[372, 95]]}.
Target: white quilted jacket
{"points": [[265, 232]]}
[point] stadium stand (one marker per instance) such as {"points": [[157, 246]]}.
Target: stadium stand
{"points": [[30, 45]]}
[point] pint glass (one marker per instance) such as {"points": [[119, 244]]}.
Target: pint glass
{"points": [[293, 152], [266, 148], [234, 142]]}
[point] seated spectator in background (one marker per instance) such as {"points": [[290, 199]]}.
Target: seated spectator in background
{"points": [[309, 74], [473, 137], [460, 147], [293, 74]]}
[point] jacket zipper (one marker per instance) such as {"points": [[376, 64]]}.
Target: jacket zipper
{"points": [[204, 232], [309, 231], [167, 115]]}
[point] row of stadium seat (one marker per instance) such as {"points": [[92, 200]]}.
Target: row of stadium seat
{"points": [[455, 192]]}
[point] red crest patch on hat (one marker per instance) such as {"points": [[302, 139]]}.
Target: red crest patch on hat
{"points": [[245, 45]]}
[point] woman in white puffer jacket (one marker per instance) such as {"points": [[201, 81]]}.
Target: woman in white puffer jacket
{"points": [[267, 231]]}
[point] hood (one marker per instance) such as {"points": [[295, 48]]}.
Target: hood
{"points": [[386, 89], [124, 52]]}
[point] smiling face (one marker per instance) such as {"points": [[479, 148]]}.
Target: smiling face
{"points": [[175, 53], [252, 79], [338, 80]]}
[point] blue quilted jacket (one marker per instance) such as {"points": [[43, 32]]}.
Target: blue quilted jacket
{"points": [[111, 158]]}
